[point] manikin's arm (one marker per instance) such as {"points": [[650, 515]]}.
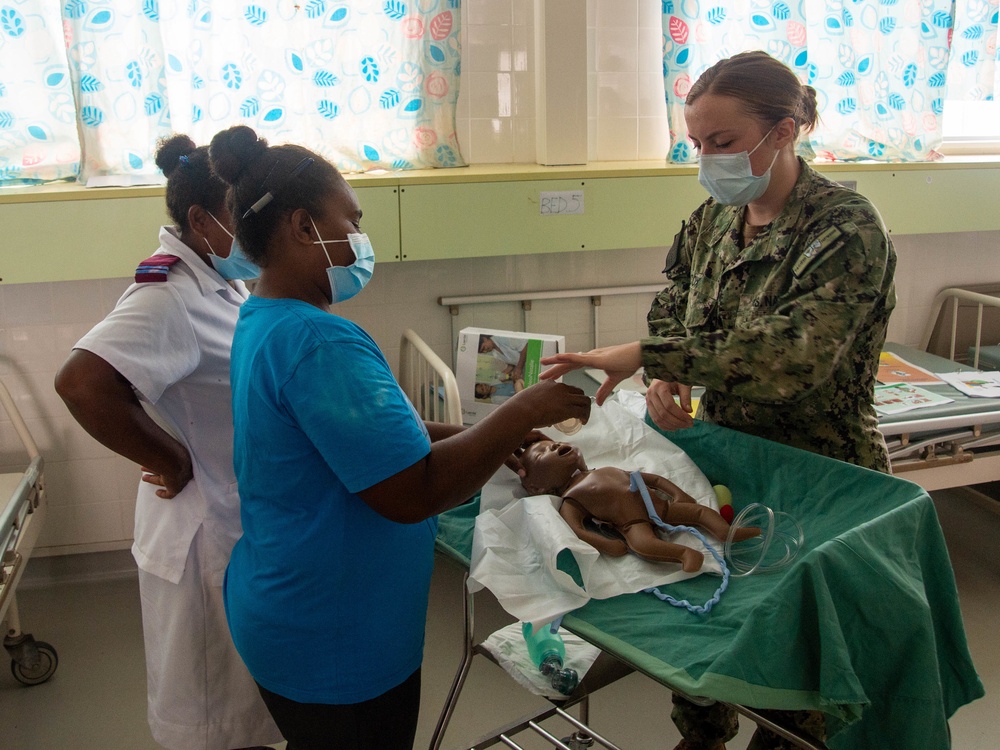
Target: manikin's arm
{"points": [[575, 517], [668, 488], [684, 510]]}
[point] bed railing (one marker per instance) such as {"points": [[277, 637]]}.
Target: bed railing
{"points": [[957, 295], [526, 298], [428, 381], [8, 405]]}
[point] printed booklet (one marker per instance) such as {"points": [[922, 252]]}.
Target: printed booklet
{"points": [[493, 365], [895, 369], [899, 398]]}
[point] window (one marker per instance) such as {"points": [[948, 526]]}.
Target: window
{"points": [[971, 127]]}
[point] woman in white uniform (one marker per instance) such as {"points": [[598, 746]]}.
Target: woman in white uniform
{"points": [[151, 382]]}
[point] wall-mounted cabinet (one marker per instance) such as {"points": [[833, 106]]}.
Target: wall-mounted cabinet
{"points": [[543, 216], [928, 199], [105, 238], [62, 233]]}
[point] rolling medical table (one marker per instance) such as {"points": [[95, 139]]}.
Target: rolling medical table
{"points": [[864, 625]]}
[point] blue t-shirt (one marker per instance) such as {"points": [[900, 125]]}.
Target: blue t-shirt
{"points": [[326, 599]]}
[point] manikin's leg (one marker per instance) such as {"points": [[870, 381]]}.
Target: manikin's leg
{"points": [[692, 514], [646, 544]]}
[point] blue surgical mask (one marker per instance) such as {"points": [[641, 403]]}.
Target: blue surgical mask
{"points": [[237, 265], [729, 178], [347, 281]]}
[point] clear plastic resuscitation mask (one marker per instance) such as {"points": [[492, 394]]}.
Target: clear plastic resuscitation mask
{"points": [[347, 281], [237, 265], [729, 178]]}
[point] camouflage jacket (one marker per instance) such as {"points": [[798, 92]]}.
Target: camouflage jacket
{"points": [[785, 333]]}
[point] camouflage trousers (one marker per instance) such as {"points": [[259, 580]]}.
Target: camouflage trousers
{"points": [[706, 727]]}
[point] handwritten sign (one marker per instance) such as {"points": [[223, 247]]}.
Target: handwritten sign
{"points": [[562, 203]]}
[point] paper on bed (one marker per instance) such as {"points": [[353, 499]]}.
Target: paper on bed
{"points": [[517, 540]]}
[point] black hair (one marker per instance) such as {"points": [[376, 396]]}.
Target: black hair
{"points": [[766, 88], [190, 180], [267, 182]]}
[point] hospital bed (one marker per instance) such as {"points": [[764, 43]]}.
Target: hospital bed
{"points": [[958, 443], [22, 514]]}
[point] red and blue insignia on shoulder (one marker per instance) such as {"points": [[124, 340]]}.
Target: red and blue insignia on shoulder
{"points": [[155, 268]]}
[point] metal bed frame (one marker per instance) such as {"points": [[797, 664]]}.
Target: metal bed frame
{"points": [[427, 381], [606, 670], [32, 662]]}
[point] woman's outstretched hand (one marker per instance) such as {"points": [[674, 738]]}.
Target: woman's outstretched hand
{"points": [[618, 363]]}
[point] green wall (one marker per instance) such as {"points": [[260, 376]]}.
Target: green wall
{"points": [[74, 233]]}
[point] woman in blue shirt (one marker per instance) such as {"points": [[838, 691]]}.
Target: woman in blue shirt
{"points": [[340, 481]]}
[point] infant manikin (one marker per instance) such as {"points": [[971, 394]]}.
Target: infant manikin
{"points": [[608, 499]]}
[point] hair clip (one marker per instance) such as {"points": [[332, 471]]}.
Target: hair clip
{"points": [[259, 205]]}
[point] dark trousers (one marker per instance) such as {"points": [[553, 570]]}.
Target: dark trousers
{"points": [[386, 722], [708, 727]]}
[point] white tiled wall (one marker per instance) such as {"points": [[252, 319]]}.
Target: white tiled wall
{"points": [[627, 117]]}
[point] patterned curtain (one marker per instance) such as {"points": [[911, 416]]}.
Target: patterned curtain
{"points": [[973, 73], [367, 84], [879, 67], [38, 133]]}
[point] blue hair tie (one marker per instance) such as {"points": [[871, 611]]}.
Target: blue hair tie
{"points": [[185, 160]]}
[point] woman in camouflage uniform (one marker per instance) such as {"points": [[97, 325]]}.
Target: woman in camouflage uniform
{"points": [[779, 290]]}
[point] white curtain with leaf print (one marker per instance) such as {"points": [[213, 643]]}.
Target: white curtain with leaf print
{"points": [[880, 67], [38, 131], [366, 84], [973, 73]]}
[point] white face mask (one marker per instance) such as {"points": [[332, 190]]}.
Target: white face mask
{"points": [[729, 178], [347, 281], [237, 265]]}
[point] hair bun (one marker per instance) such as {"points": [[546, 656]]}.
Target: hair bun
{"points": [[809, 109], [233, 150], [170, 150]]}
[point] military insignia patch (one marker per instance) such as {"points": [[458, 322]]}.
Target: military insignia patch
{"points": [[818, 247]]}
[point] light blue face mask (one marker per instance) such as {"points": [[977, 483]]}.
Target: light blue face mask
{"points": [[347, 281], [237, 265], [729, 178]]}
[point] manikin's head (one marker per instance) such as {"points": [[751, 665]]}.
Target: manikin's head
{"points": [[486, 344], [549, 465], [484, 390]]}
